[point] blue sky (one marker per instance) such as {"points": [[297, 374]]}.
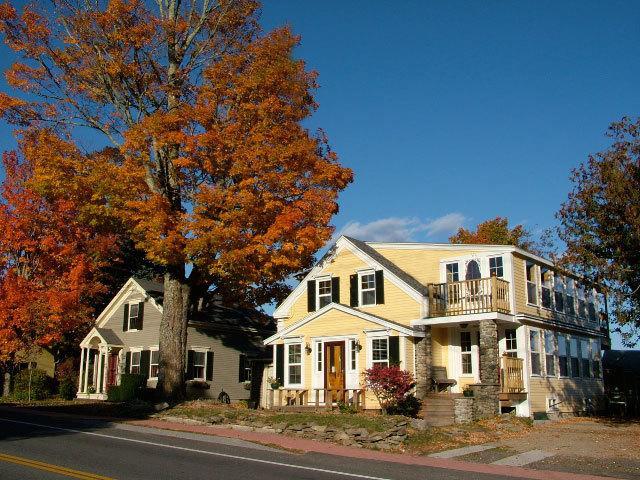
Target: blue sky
{"points": [[452, 112]]}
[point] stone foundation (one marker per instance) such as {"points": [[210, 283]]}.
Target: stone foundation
{"points": [[463, 409], [486, 400]]}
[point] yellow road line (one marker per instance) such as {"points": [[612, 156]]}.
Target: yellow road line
{"points": [[47, 467]]}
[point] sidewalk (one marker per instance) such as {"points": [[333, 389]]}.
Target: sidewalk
{"points": [[312, 446]]}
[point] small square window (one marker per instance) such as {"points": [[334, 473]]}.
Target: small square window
{"points": [[495, 267]]}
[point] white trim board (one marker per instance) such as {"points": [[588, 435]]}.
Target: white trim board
{"points": [[467, 318]]}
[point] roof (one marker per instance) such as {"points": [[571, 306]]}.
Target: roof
{"points": [[109, 336], [152, 287], [626, 360], [389, 265]]}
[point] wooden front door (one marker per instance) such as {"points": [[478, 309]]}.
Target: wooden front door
{"points": [[112, 371], [334, 368]]}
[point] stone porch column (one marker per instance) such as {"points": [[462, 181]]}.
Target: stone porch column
{"points": [[423, 362], [486, 393], [81, 375]]}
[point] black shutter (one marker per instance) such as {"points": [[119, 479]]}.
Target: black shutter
{"points": [[209, 374], [125, 320], [145, 360], [311, 296], [242, 363], [140, 315], [280, 363], [353, 290], [335, 289], [379, 287], [189, 374], [394, 350], [127, 362]]}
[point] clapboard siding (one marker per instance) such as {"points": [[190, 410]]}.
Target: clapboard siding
{"points": [[150, 332], [570, 392]]}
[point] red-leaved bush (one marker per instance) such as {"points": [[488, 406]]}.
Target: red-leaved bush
{"points": [[389, 384]]}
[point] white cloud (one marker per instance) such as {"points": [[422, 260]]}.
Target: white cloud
{"points": [[403, 229]]}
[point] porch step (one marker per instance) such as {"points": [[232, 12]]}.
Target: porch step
{"points": [[437, 409]]}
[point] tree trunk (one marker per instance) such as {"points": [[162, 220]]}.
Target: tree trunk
{"points": [[173, 334]]}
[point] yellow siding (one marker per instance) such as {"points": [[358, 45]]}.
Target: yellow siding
{"points": [[423, 265], [570, 392], [520, 287], [398, 306], [440, 347]]}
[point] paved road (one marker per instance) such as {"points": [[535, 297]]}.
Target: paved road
{"points": [[38, 446]]}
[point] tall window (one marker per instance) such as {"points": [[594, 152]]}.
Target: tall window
{"points": [[294, 356], [545, 277], [354, 354], [453, 274], [532, 289], [199, 364], [563, 361], [534, 342], [465, 350], [511, 343], [135, 361], [380, 352], [591, 306], [154, 364], [319, 356], [368, 289], [550, 354], [134, 313], [595, 356], [324, 292], [582, 304], [575, 360], [570, 307], [585, 358], [558, 287], [495, 267]]}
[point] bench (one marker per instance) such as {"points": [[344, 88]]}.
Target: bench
{"points": [[439, 380]]}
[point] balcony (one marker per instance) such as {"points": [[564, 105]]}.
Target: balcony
{"points": [[482, 295]]}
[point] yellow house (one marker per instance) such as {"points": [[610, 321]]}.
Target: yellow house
{"points": [[493, 319]]}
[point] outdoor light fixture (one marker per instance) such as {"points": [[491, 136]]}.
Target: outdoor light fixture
{"points": [[357, 345], [464, 325], [307, 348]]}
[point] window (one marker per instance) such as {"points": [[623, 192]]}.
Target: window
{"points": [[294, 356], [582, 305], [563, 363], [558, 287], [595, 356], [585, 357], [324, 292], [367, 289], [511, 343], [134, 313], [380, 352], [575, 360], [354, 353], [154, 364], [571, 296], [199, 364], [591, 306], [319, 350], [465, 351], [545, 277], [534, 341], [135, 361], [550, 354], [532, 289], [453, 274], [495, 267]]}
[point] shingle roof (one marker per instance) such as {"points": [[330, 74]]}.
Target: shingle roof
{"points": [[153, 288], [109, 336], [389, 265]]}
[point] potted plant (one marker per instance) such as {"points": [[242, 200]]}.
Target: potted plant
{"points": [[468, 391], [274, 383], [247, 384]]}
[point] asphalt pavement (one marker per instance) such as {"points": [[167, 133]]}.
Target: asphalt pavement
{"points": [[34, 445]]}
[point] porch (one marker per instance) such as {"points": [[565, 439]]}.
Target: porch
{"points": [[303, 399], [99, 364], [482, 295]]}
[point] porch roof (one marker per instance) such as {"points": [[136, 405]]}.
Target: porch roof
{"points": [[106, 336], [466, 318]]}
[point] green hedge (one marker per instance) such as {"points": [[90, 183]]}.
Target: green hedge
{"points": [[132, 387], [41, 385]]}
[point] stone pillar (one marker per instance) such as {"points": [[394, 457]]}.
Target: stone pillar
{"points": [[423, 362], [486, 393]]}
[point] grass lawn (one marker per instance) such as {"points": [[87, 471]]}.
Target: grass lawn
{"points": [[85, 408]]}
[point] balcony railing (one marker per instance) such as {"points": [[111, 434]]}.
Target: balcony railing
{"points": [[469, 296], [511, 374]]}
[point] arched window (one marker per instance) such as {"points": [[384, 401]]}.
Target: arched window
{"points": [[473, 271]]}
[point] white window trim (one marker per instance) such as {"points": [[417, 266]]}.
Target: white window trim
{"points": [[536, 281], [540, 352], [567, 354], [503, 265], [151, 350], [201, 350], [554, 343], [362, 273], [376, 336], [550, 308], [129, 329], [136, 350], [507, 350], [323, 278], [446, 264], [472, 353], [294, 341]]}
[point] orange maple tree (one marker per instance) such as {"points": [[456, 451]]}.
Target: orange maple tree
{"points": [[496, 231], [50, 263], [215, 169]]}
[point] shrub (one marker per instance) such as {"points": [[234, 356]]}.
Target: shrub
{"points": [[347, 408], [409, 406], [67, 378], [389, 384], [132, 387], [41, 385]]}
